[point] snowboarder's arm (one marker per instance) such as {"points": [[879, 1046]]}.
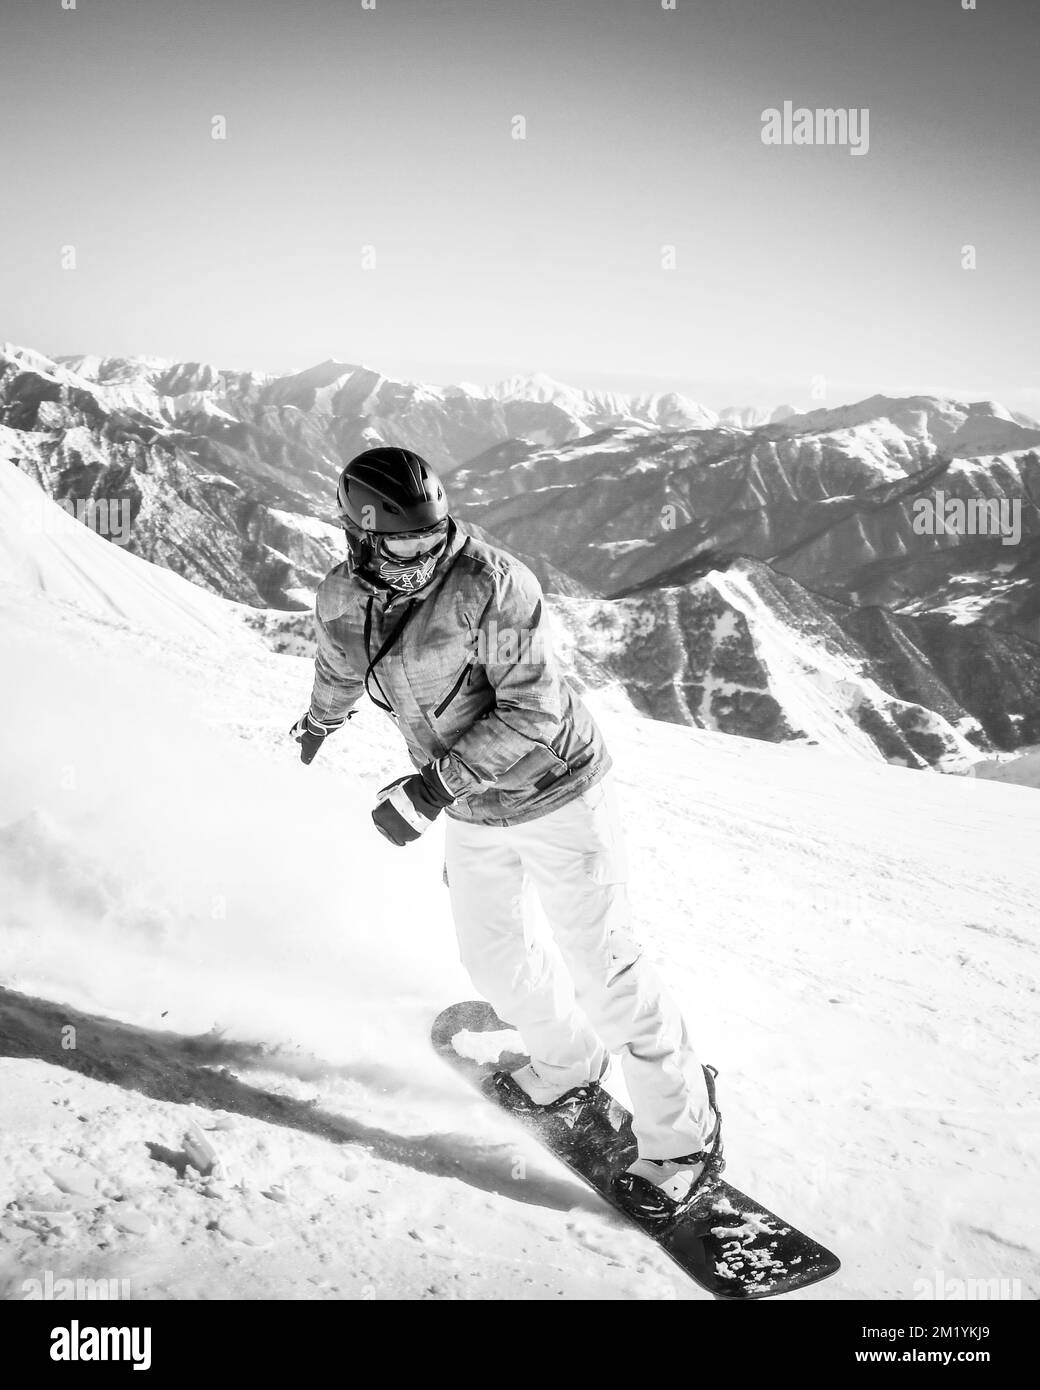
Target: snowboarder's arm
{"points": [[520, 666], [337, 685]]}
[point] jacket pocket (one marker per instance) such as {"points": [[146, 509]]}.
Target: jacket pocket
{"points": [[534, 771], [464, 676]]}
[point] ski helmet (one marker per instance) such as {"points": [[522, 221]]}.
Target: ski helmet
{"points": [[394, 510]]}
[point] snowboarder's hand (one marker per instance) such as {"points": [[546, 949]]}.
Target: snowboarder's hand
{"points": [[410, 805], [311, 733]]}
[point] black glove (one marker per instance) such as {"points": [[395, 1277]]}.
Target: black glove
{"points": [[311, 733], [410, 805]]}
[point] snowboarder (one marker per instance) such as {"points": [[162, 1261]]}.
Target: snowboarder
{"points": [[449, 637]]}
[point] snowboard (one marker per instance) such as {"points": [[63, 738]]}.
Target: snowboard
{"points": [[727, 1243]]}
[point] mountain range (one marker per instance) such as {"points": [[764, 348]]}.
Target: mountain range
{"points": [[760, 577]]}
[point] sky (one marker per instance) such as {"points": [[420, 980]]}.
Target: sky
{"points": [[801, 272]]}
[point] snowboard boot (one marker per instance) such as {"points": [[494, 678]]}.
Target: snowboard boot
{"points": [[658, 1191], [524, 1093]]}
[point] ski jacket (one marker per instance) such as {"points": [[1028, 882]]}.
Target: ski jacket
{"points": [[465, 668]]}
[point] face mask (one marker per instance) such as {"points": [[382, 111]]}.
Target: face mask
{"points": [[404, 562], [406, 574]]}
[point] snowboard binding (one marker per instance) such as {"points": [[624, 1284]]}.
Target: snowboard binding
{"points": [[640, 1198], [569, 1110]]}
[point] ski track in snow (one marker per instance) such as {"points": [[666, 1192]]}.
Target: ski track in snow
{"points": [[854, 946]]}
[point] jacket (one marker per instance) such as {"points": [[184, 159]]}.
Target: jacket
{"points": [[465, 668]]}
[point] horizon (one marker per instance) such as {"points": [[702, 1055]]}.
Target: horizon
{"points": [[756, 397], [474, 190]]}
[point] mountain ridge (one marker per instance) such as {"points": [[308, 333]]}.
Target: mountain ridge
{"points": [[229, 477]]}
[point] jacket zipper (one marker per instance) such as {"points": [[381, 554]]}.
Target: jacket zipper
{"points": [[452, 692]]}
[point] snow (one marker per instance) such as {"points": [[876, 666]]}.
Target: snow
{"points": [[539, 386], [198, 403], [971, 608], [44, 549], [1022, 767], [724, 628], [580, 403], [325, 395], [32, 361], [853, 945], [817, 689], [78, 439], [311, 526], [125, 385], [305, 597], [615, 548]]}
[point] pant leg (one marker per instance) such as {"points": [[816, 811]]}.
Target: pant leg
{"points": [[576, 856], [507, 962]]}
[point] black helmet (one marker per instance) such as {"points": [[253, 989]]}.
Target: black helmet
{"points": [[392, 492]]}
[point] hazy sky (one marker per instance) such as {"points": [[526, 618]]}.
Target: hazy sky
{"points": [[391, 127]]}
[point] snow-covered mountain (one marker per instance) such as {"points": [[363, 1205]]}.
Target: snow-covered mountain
{"points": [[942, 618], [744, 650], [853, 945], [227, 479], [956, 427], [597, 409], [826, 503], [226, 471], [748, 417]]}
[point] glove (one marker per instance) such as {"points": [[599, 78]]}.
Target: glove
{"points": [[311, 733], [410, 805]]}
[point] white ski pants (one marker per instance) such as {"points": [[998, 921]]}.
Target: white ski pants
{"points": [[610, 999]]}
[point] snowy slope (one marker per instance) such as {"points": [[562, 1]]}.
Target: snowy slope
{"points": [[45, 549], [854, 946], [1022, 768]]}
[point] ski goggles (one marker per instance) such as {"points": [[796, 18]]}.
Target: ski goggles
{"points": [[408, 545]]}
